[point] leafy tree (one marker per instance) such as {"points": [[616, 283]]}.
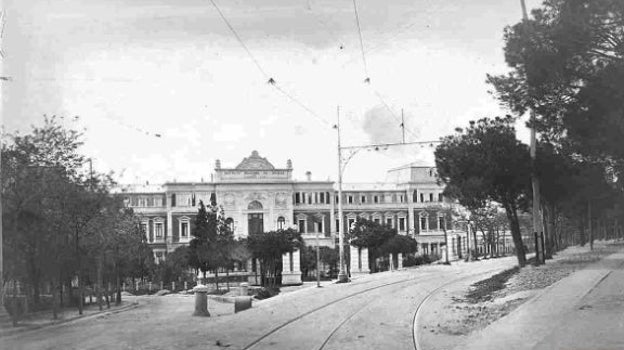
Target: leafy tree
{"points": [[486, 163], [213, 241], [268, 247], [379, 239]]}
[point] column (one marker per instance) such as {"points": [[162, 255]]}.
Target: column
{"points": [[332, 217], [169, 229], [400, 261], [359, 261], [291, 273]]}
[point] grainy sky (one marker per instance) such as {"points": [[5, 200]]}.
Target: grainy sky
{"points": [[134, 68]]}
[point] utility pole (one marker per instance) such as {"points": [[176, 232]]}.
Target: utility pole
{"points": [[318, 261], [342, 163], [539, 249], [342, 275]]}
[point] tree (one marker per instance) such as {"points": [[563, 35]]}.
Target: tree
{"points": [[268, 247], [213, 240], [486, 163], [379, 239], [567, 66]]}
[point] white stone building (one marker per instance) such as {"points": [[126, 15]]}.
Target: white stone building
{"points": [[257, 196]]}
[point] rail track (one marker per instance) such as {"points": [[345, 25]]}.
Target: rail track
{"points": [[402, 284]]}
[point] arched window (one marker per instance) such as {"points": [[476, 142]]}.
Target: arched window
{"points": [[281, 223], [255, 205]]}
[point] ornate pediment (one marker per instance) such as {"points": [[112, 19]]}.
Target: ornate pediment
{"points": [[255, 162]]}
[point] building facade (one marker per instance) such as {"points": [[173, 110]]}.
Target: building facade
{"points": [[257, 196]]}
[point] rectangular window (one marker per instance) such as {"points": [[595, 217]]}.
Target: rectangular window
{"points": [[336, 199], [376, 220], [322, 198], [309, 199], [150, 201], [337, 225], [430, 197], [422, 197], [441, 222], [184, 229], [423, 223], [318, 227], [350, 199], [351, 222], [389, 222], [302, 225], [440, 197], [158, 229], [297, 198], [363, 199], [402, 224], [401, 198], [316, 197], [376, 199]]}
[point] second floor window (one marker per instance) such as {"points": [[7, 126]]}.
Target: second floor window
{"points": [[423, 223], [281, 223], [350, 199], [363, 199], [302, 224], [402, 224], [422, 197]]}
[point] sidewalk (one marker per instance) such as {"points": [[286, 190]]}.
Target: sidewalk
{"points": [[582, 311], [44, 318]]}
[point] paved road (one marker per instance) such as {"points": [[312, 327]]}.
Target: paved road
{"points": [[372, 312]]}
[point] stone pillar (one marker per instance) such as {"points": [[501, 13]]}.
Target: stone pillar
{"points": [[359, 261], [391, 262], [169, 232], [173, 286], [291, 273], [185, 285], [400, 261], [201, 301], [244, 289]]}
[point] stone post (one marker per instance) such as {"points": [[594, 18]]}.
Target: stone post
{"points": [[161, 285], [185, 285], [149, 287], [359, 261], [244, 289], [291, 273], [242, 303], [400, 261], [173, 286], [391, 264], [201, 301]]}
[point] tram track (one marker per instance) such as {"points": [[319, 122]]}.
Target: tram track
{"points": [[331, 333], [321, 307]]}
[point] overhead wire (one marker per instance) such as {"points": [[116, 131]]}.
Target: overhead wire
{"points": [[270, 79], [367, 79], [357, 21]]}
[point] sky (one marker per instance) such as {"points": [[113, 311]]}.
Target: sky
{"points": [[131, 69]]}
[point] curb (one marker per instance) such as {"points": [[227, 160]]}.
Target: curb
{"points": [[19, 332]]}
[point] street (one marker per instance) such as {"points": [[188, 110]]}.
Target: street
{"points": [[372, 312]]}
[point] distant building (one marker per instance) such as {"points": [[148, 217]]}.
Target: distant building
{"points": [[256, 196]]}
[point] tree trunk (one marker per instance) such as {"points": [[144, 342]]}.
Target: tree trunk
{"points": [[516, 235], [118, 282], [55, 300], [227, 279], [589, 225], [99, 283], [474, 235], [216, 274]]}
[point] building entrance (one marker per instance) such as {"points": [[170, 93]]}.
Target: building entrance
{"points": [[256, 223]]}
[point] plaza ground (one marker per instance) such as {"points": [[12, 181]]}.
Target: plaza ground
{"points": [[372, 312]]}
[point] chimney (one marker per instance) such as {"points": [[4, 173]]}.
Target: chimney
{"points": [[309, 175]]}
